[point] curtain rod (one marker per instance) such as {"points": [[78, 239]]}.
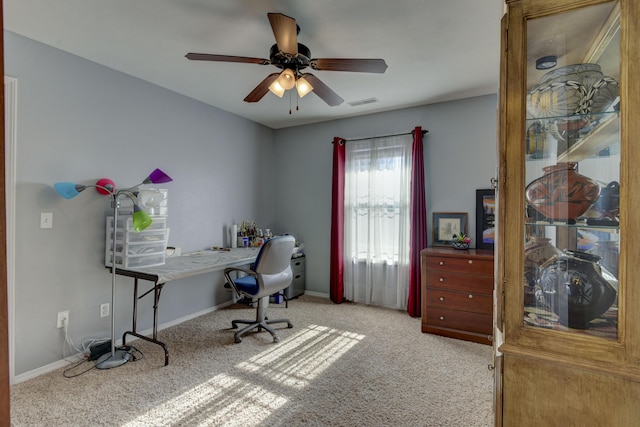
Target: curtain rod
{"points": [[424, 131]]}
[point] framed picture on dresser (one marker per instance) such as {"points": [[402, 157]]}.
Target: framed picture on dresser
{"points": [[446, 225], [485, 219]]}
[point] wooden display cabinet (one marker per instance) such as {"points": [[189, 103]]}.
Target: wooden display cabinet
{"points": [[567, 338]]}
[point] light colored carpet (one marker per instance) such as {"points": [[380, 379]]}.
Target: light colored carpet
{"points": [[340, 365]]}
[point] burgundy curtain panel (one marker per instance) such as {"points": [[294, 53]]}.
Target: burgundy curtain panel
{"points": [[418, 238], [336, 291]]}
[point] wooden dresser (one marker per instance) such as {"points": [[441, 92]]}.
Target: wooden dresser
{"points": [[457, 293]]}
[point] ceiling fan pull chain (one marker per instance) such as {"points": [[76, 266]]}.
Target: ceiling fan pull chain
{"points": [[297, 96], [290, 102]]}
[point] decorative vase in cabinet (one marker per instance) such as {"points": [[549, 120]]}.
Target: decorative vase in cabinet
{"points": [[562, 194]]}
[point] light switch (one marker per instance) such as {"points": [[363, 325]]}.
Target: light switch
{"points": [[46, 220]]}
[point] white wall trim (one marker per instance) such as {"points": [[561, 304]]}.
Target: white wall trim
{"points": [[10, 127], [317, 294]]}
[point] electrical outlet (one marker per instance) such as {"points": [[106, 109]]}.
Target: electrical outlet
{"points": [[104, 309], [63, 319]]}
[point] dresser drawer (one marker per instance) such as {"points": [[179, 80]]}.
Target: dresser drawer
{"points": [[465, 301], [481, 267], [461, 320], [461, 282]]}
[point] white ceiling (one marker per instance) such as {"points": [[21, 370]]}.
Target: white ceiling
{"points": [[436, 50]]}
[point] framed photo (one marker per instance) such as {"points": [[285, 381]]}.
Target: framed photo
{"points": [[485, 219], [446, 224]]}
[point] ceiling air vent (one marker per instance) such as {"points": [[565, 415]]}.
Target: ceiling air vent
{"points": [[363, 102]]}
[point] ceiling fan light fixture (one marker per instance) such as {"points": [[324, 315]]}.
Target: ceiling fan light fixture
{"points": [[287, 79], [276, 89], [290, 58], [303, 87]]}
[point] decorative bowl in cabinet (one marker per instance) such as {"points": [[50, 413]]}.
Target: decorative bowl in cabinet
{"points": [[575, 289], [562, 194], [572, 90]]}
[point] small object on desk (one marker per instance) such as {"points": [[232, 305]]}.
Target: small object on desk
{"points": [[218, 248], [234, 236], [298, 251]]}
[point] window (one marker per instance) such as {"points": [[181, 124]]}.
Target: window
{"points": [[377, 218]]}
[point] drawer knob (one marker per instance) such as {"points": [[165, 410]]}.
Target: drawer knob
{"points": [[441, 262], [441, 298], [470, 261], [442, 279], [470, 296], [441, 317]]}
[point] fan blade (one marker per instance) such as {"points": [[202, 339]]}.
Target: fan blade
{"points": [[285, 31], [226, 58], [345, 64], [262, 89], [323, 91]]}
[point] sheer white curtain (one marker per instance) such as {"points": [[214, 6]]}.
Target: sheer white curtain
{"points": [[377, 206]]}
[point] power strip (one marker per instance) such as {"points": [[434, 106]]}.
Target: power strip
{"points": [[98, 350]]}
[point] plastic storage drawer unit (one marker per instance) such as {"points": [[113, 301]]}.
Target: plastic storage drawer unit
{"points": [[136, 249]]}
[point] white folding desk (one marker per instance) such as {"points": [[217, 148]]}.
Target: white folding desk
{"points": [[175, 268]]}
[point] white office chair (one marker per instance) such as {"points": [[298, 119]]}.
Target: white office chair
{"points": [[271, 273]]}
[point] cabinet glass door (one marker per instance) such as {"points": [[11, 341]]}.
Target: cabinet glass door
{"points": [[572, 172]]}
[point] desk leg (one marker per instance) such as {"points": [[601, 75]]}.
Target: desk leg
{"points": [[157, 290], [135, 305]]}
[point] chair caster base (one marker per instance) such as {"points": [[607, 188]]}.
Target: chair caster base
{"points": [[258, 326]]}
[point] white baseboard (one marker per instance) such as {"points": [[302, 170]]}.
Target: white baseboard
{"points": [[316, 294], [77, 357], [47, 368]]}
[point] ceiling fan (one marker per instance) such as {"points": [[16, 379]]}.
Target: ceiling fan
{"points": [[293, 57]]}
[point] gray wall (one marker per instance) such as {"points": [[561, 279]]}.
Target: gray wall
{"points": [[459, 157], [78, 121]]}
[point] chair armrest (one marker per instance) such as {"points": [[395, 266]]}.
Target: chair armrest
{"points": [[227, 275], [241, 269]]}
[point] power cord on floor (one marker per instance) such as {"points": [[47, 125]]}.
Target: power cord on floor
{"points": [[86, 344], [69, 372], [66, 373], [135, 353]]}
